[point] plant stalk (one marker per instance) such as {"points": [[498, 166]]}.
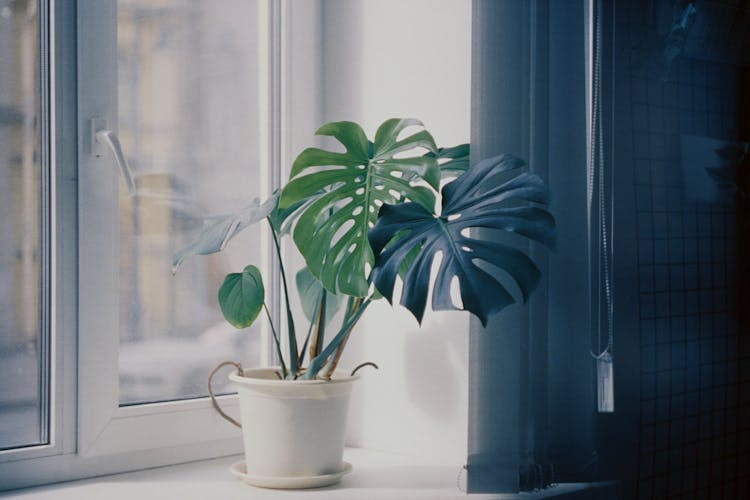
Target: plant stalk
{"points": [[293, 352], [317, 363], [303, 350], [276, 340], [330, 367], [320, 325]]}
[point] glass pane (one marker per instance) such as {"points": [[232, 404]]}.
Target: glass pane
{"points": [[189, 124], [22, 384]]}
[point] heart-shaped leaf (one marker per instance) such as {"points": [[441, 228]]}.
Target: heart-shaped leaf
{"points": [[241, 297], [342, 193], [493, 194]]}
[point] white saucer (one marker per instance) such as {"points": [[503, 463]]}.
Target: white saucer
{"points": [[238, 469]]}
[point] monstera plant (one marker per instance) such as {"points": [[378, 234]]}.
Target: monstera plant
{"points": [[365, 216]]}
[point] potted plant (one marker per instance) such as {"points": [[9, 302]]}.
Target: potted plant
{"points": [[361, 218]]}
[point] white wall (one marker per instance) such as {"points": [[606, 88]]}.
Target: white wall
{"points": [[404, 58], [397, 58]]}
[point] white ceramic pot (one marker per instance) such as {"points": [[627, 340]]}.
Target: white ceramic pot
{"points": [[292, 428]]}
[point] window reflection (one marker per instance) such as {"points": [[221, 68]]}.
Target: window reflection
{"points": [[188, 123], [21, 383]]}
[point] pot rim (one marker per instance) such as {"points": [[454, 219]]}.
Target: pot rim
{"points": [[339, 377]]}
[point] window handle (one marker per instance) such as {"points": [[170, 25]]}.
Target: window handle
{"points": [[109, 139], [105, 137]]}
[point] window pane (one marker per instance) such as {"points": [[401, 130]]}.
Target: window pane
{"points": [[188, 98], [22, 358]]}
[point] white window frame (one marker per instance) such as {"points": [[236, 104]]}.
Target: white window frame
{"points": [[103, 426], [90, 434]]}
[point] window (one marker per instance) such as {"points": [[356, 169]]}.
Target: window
{"points": [[24, 245], [187, 116], [178, 82], [185, 86], [181, 91]]}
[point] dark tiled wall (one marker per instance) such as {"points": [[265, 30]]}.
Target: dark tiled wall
{"points": [[694, 416]]}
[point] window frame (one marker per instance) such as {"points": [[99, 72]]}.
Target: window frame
{"points": [[51, 346], [104, 427], [89, 433]]}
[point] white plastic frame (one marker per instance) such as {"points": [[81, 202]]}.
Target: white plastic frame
{"points": [[89, 433]]}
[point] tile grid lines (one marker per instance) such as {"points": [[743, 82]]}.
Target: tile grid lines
{"points": [[723, 440], [643, 490], [701, 283], [694, 417], [712, 285], [661, 486]]}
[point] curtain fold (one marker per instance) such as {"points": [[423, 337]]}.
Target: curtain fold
{"points": [[531, 392]]}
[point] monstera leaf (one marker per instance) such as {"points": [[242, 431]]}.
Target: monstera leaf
{"points": [[342, 192], [218, 230], [453, 161], [493, 194]]}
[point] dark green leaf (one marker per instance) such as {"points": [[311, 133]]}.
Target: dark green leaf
{"points": [[241, 297], [453, 161], [493, 194], [341, 194]]}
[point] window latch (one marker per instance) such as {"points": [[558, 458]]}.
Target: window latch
{"points": [[104, 139]]}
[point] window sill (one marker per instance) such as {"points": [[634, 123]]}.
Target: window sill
{"points": [[375, 475]]}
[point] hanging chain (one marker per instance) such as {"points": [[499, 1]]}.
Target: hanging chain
{"points": [[597, 175]]}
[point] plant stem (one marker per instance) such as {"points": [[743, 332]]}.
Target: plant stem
{"points": [[353, 306], [293, 353], [302, 351], [276, 340], [320, 325], [317, 363]]}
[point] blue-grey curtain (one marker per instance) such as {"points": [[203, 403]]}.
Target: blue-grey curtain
{"points": [[531, 393]]}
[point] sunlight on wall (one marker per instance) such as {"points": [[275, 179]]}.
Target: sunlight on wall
{"points": [[385, 59]]}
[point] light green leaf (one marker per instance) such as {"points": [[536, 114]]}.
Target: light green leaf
{"points": [[217, 231]]}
